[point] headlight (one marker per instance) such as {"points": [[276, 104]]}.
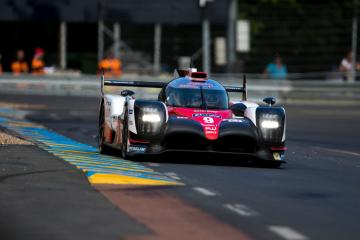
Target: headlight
{"points": [[151, 117], [271, 124]]}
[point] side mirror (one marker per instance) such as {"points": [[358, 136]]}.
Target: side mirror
{"points": [[126, 92], [269, 100], [238, 109]]}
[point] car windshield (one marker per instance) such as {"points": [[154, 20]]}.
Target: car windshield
{"points": [[197, 98]]}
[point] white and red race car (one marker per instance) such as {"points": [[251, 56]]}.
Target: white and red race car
{"points": [[192, 113]]}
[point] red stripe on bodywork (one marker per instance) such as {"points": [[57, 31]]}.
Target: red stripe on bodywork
{"points": [[278, 148], [137, 141]]}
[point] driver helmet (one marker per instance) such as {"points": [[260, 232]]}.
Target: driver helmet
{"points": [[212, 99], [196, 100]]}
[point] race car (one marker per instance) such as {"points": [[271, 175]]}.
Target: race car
{"points": [[192, 113]]}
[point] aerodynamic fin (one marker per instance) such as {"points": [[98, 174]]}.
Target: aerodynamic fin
{"points": [[134, 84], [242, 89]]}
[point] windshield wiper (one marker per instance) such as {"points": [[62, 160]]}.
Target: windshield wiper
{"points": [[203, 102]]}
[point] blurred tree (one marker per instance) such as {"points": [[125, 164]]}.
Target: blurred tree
{"points": [[311, 36]]}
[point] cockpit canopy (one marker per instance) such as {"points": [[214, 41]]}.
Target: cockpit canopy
{"points": [[183, 92]]}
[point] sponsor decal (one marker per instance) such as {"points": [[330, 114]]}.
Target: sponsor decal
{"points": [[206, 125], [138, 149], [211, 132], [211, 128], [206, 115], [187, 86], [196, 85], [234, 120], [207, 111]]}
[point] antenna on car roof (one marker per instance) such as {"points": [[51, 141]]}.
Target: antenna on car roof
{"points": [[191, 67]]}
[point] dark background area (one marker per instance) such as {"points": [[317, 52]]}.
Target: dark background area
{"points": [[310, 36]]}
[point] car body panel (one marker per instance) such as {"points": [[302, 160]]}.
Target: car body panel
{"points": [[210, 120], [199, 127]]}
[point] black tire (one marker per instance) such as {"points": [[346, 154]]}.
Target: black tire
{"points": [[103, 148], [273, 164], [125, 137]]}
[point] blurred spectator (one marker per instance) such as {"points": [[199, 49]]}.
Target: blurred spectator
{"points": [[19, 65], [276, 70], [37, 64], [1, 69], [346, 66], [112, 66]]}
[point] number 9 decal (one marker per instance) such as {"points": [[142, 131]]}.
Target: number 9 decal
{"points": [[208, 120]]}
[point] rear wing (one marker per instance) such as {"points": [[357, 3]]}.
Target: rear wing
{"points": [[162, 84], [130, 84], [134, 84], [242, 89]]}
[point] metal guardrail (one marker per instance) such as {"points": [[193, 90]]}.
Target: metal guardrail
{"points": [[305, 92]]}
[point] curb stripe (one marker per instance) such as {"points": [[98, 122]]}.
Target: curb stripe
{"points": [[100, 169]]}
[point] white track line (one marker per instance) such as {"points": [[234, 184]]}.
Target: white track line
{"points": [[205, 191], [241, 209], [172, 175], [55, 116], [287, 233], [339, 151]]}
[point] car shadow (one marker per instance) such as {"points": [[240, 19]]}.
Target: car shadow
{"points": [[215, 159]]}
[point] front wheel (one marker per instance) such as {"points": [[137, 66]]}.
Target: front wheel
{"points": [[125, 138], [103, 148]]}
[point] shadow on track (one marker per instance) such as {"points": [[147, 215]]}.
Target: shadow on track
{"points": [[216, 159]]}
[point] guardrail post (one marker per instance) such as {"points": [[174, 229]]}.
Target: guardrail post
{"points": [[63, 44], [232, 18], [116, 32], [354, 43], [157, 48]]}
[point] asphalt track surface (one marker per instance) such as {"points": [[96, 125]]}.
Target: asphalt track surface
{"points": [[315, 196]]}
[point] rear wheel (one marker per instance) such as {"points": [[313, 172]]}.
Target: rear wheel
{"points": [[103, 148]]}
